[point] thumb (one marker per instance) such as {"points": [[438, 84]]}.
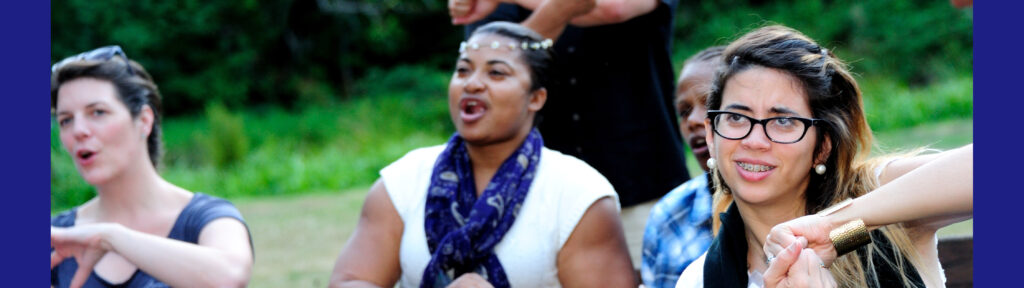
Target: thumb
{"points": [[780, 265]]}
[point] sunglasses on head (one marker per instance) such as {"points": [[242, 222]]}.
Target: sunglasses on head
{"points": [[99, 54]]}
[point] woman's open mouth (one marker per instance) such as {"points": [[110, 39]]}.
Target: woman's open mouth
{"points": [[85, 157], [698, 145], [471, 109]]}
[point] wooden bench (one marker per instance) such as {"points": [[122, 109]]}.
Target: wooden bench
{"points": [[956, 254]]}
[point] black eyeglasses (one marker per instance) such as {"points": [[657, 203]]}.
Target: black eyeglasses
{"points": [[99, 54], [783, 130]]}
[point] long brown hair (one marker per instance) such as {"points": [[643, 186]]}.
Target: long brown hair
{"points": [[834, 96]]}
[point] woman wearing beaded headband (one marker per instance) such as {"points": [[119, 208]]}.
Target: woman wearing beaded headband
{"points": [[139, 230], [493, 207], [788, 138]]}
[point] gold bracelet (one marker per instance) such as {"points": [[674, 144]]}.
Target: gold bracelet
{"points": [[849, 237]]}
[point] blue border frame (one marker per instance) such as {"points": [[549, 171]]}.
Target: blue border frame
{"points": [[26, 33], [26, 29], [997, 29]]}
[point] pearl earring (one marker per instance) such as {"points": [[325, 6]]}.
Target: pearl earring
{"points": [[711, 163], [820, 169]]}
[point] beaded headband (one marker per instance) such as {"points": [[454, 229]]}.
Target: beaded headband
{"points": [[547, 43]]}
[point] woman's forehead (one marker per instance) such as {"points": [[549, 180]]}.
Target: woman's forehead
{"points": [[762, 88], [86, 93]]}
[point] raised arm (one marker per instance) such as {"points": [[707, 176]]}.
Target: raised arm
{"points": [[603, 11], [370, 258], [595, 255], [549, 17], [222, 258], [900, 167], [938, 193], [614, 11]]}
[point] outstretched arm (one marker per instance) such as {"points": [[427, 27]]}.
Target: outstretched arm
{"points": [[938, 193], [222, 258], [370, 259], [934, 195]]}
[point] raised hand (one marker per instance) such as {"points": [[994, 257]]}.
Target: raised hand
{"points": [[85, 243]]}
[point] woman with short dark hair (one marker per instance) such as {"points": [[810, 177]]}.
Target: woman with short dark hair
{"points": [[139, 230]]}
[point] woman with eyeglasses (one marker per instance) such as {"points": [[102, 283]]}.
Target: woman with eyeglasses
{"points": [[788, 138], [139, 230]]}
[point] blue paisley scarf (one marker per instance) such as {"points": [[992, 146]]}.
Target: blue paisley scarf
{"points": [[463, 230]]}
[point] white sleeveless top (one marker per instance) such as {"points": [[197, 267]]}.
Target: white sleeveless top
{"points": [[561, 193]]}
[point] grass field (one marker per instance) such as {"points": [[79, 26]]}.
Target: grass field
{"points": [[298, 237]]}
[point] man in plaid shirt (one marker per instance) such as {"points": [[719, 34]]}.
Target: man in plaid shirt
{"points": [[679, 228]]}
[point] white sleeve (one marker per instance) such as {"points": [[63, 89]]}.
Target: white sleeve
{"points": [[402, 177], [582, 186]]}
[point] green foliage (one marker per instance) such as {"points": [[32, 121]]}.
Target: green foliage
{"points": [[891, 105], [405, 81], [226, 141], [67, 188], [915, 42], [196, 50], [241, 53]]}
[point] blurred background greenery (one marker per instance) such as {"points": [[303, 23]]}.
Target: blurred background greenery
{"points": [[289, 101]]}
